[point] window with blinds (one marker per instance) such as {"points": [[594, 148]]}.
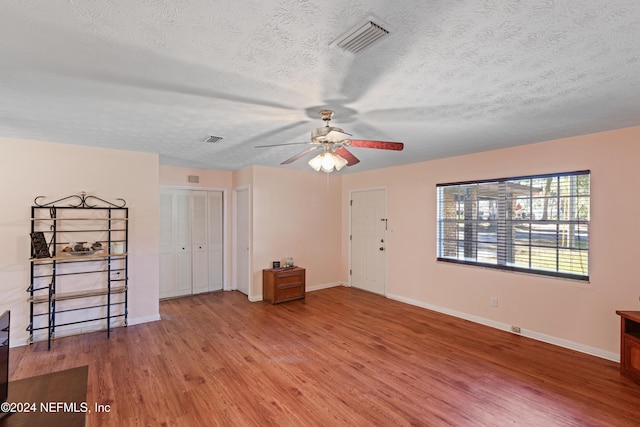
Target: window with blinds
{"points": [[536, 224]]}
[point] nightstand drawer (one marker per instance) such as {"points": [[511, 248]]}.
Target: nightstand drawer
{"points": [[290, 292], [285, 280]]}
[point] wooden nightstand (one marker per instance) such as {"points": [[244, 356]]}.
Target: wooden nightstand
{"points": [[280, 285], [630, 344]]}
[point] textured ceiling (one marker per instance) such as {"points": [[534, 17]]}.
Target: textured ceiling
{"points": [[453, 77]]}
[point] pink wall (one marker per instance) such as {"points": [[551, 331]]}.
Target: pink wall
{"points": [[569, 313], [297, 214], [178, 176]]}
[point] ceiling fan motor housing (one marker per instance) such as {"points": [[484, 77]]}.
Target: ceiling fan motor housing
{"points": [[320, 134]]}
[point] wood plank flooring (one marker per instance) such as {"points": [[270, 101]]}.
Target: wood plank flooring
{"points": [[344, 358]]}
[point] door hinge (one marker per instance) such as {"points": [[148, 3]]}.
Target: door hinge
{"points": [[350, 272], [350, 202], [350, 237]]}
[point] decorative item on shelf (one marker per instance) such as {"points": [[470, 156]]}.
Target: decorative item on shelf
{"points": [[82, 248], [117, 248], [290, 262], [39, 245], [276, 264]]}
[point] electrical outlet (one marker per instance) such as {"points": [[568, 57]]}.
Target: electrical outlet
{"points": [[515, 329], [494, 301]]}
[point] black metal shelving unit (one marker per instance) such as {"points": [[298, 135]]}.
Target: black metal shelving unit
{"points": [[74, 287]]}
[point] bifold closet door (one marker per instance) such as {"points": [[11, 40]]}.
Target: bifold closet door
{"points": [[190, 242]]}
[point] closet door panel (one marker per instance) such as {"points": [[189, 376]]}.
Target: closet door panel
{"points": [[168, 266], [183, 242], [199, 248]]}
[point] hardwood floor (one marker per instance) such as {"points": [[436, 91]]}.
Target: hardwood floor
{"points": [[344, 358]]}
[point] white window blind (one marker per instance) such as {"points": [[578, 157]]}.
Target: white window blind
{"points": [[537, 224]]}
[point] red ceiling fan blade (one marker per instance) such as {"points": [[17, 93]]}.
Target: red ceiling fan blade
{"points": [[297, 156], [346, 154], [381, 145]]}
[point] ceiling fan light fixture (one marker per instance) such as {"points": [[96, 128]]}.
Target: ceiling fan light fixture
{"points": [[327, 162], [340, 162], [316, 162]]}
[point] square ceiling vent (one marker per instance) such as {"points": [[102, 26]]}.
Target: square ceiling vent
{"points": [[367, 33], [213, 139]]}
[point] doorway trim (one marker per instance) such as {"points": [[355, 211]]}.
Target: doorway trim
{"points": [[235, 243]]}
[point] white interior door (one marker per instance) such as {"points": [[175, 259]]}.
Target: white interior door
{"points": [[368, 234], [242, 246]]}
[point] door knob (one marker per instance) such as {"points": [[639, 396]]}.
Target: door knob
{"points": [[381, 248]]}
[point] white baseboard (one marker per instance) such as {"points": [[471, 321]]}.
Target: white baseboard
{"points": [[324, 286], [144, 319], [18, 343], [504, 327]]}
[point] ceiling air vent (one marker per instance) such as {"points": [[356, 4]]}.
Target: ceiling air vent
{"points": [[213, 139], [361, 36]]}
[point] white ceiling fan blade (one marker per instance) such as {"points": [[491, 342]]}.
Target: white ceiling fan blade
{"points": [[301, 154], [284, 133], [280, 145], [336, 136]]}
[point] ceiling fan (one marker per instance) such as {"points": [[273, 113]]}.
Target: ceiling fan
{"points": [[333, 142]]}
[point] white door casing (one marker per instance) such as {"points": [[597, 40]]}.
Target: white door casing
{"points": [[215, 200], [241, 241]]}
